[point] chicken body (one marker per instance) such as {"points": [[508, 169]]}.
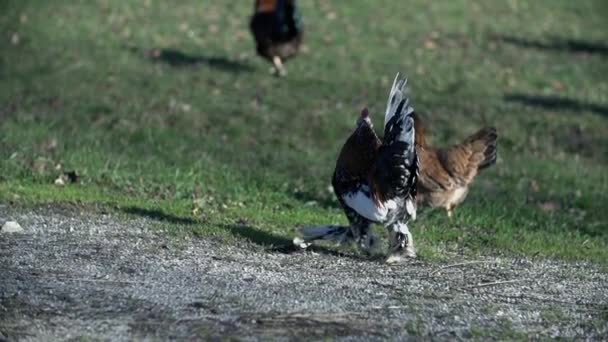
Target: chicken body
{"points": [[447, 173], [375, 180], [277, 29]]}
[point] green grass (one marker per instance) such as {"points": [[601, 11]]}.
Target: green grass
{"points": [[255, 153]]}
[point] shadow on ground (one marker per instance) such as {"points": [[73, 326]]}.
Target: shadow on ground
{"points": [[556, 103], [179, 59], [557, 44], [277, 243]]}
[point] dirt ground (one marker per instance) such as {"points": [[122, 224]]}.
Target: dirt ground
{"points": [[73, 275]]}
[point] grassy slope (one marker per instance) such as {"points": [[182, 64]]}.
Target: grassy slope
{"points": [[158, 137]]}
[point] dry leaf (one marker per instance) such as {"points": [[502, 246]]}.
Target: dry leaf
{"points": [[557, 85], [548, 206], [40, 165], [430, 44], [534, 185], [49, 144]]}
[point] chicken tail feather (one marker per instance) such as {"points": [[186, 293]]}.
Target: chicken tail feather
{"points": [[421, 130], [398, 117], [393, 173], [327, 232], [484, 142]]}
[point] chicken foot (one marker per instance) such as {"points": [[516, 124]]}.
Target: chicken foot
{"points": [[363, 237], [279, 67], [401, 243]]}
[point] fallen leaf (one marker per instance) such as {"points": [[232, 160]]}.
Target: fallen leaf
{"points": [[534, 185], [153, 53], [304, 49], [40, 165], [548, 206], [557, 85], [49, 144], [430, 44]]}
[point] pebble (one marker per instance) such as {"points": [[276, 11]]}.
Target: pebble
{"points": [[11, 227]]}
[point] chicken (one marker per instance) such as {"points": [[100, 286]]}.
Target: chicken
{"points": [[375, 180], [277, 29], [447, 173]]}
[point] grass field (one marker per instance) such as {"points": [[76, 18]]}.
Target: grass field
{"points": [[164, 110]]}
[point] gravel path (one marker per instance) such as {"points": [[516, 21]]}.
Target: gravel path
{"points": [[72, 275]]}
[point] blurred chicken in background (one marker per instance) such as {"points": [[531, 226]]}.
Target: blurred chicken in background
{"points": [[276, 26], [447, 173]]}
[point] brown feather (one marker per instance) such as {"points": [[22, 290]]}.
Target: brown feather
{"points": [[355, 160], [358, 153], [420, 128]]}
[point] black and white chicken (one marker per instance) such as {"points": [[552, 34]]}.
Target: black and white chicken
{"points": [[375, 180]]}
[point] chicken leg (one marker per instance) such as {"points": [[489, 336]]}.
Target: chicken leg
{"points": [[360, 230], [278, 66], [401, 243]]}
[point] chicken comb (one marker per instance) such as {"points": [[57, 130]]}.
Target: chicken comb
{"points": [[365, 112]]}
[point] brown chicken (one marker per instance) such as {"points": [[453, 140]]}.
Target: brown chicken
{"points": [[447, 173]]}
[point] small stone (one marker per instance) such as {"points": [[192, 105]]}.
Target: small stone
{"points": [[15, 38], [11, 227]]}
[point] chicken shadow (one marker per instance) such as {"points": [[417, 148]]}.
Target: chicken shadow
{"points": [[557, 44], [556, 103], [179, 59], [280, 244], [159, 215]]}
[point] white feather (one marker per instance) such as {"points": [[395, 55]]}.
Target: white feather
{"points": [[411, 208], [301, 243], [401, 227], [398, 93], [327, 232], [361, 203]]}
